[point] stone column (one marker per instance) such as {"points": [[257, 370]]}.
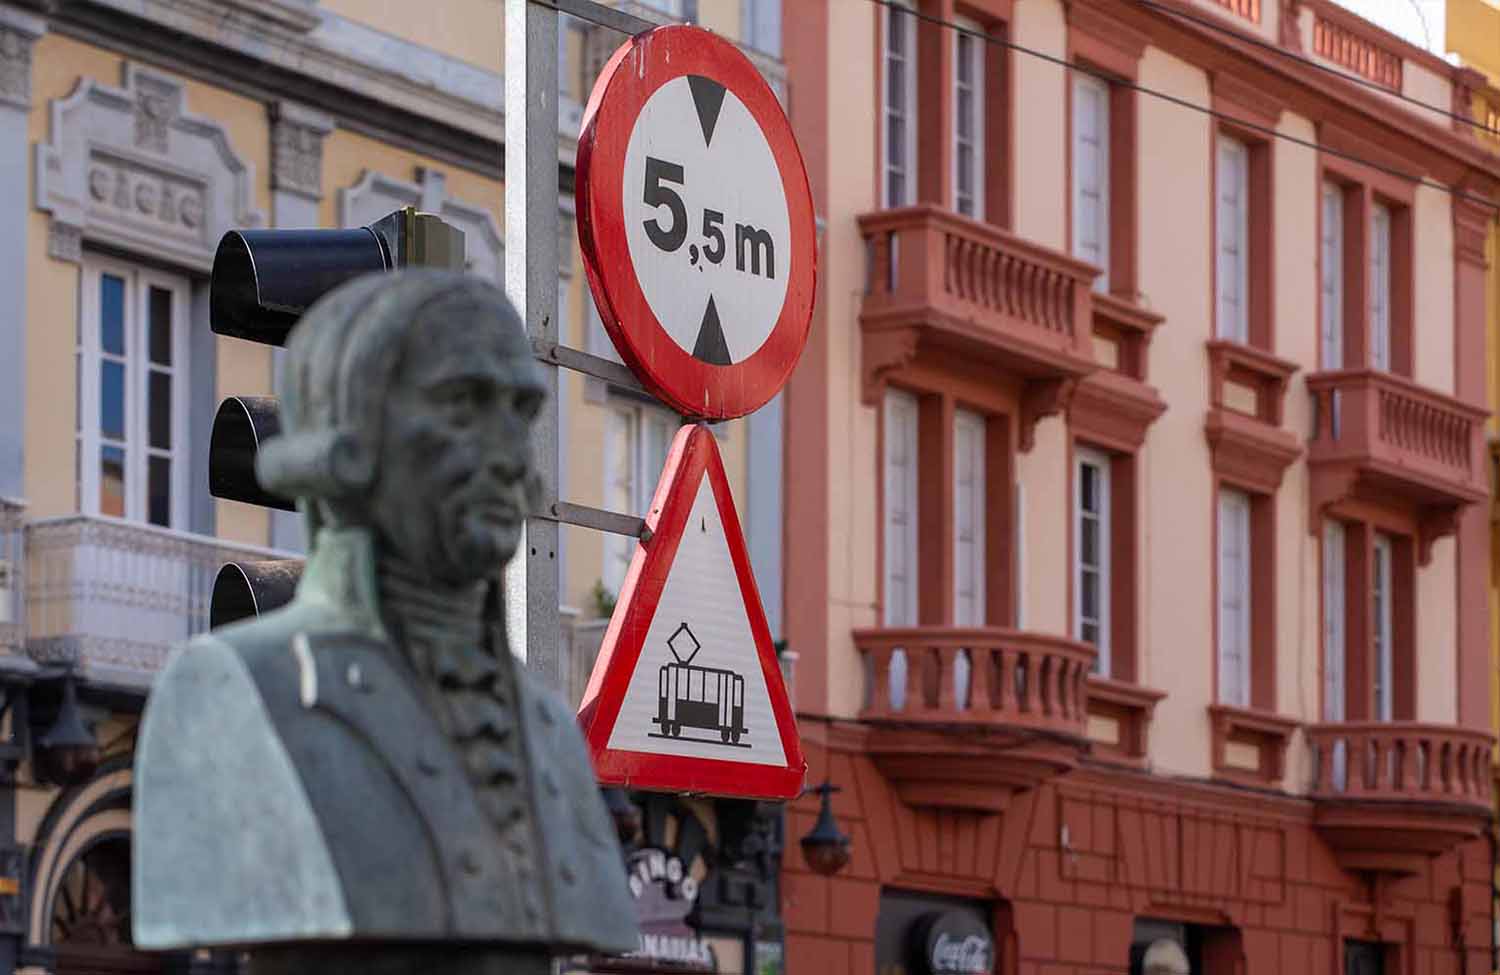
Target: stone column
{"points": [[19, 31], [296, 193]]}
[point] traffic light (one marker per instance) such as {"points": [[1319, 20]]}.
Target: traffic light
{"points": [[262, 282]]}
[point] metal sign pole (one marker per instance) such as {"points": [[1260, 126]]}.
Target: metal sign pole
{"points": [[531, 256]]}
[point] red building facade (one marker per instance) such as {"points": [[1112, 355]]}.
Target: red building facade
{"points": [[1134, 556]]}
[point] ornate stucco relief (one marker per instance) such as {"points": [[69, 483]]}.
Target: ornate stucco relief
{"points": [[297, 149], [132, 168]]}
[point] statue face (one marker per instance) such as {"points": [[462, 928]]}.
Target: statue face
{"points": [[455, 453]]}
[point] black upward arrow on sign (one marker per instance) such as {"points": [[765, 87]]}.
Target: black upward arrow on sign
{"points": [[708, 99]]}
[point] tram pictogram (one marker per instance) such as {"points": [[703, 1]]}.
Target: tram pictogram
{"points": [[710, 699]]}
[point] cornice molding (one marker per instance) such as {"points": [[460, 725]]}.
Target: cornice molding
{"points": [[1423, 146]]}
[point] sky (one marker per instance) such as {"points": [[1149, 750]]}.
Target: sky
{"points": [[1419, 21]]}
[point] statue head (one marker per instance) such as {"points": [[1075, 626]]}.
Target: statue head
{"points": [[406, 408]]}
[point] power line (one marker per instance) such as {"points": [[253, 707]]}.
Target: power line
{"points": [[1185, 103], [613, 21], [1265, 45]]}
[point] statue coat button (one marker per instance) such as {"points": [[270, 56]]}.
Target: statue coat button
{"points": [[355, 675], [427, 762], [469, 863]]}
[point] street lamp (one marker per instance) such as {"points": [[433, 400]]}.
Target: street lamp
{"points": [[67, 754], [825, 849]]}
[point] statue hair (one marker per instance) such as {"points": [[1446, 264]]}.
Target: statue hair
{"points": [[342, 357]]}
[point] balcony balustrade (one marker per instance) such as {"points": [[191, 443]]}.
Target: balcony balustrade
{"points": [[12, 561], [1384, 436], [943, 284], [111, 597], [1390, 794], [963, 718]]}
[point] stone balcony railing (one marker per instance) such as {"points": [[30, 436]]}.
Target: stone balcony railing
{"points": [[941, 284], [1391, 793], [964, 717], [111, 597], [12, 564], [1382, 435]]}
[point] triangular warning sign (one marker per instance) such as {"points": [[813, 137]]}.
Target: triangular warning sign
{"points": [[686, 694]]}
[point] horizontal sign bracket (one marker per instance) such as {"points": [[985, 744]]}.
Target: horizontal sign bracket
{"points": [[598, 13], [612, 372], [598, 519]]}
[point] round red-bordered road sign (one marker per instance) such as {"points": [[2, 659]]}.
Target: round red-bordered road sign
{"points": [[696, 222]]}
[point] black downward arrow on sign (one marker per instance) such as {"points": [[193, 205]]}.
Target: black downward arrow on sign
{"points": [[708, 98], [711, 347]]}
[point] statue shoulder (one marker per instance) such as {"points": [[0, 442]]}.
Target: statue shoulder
{"points": [[211, 766]]}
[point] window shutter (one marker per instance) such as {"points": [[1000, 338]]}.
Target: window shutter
{"points": [[900, 105], [1333, 621], [900, 509], [968, 519], [1091, 174], [1332, 268], [968, 120], [1380, 604], [1380, 286], [1091, 554], [1233, 244], [1234, 599]]}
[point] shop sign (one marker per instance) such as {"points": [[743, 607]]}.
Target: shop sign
{"points": [[664, 892], [953, 943]]}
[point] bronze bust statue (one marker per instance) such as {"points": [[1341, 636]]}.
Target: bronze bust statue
{"points": [[366, 780]]}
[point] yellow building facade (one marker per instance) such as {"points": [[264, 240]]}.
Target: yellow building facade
{"points": [[132, 137]]}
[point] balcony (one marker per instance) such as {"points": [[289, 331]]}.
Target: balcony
{"points": [[1390, 795], [1383, 437], [942, 286], [964, 718], [111, 598], [11, 562]]}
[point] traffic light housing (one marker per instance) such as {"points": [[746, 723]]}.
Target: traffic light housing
{"points": [[262, 282]]}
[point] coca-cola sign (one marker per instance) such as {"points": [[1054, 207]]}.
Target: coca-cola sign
{"points": [[954, 943]]}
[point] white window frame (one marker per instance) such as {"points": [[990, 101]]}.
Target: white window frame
{"points": [[1381, 628], [1098, 252], [89, 356], [907, 110], [1236, 550], [643, 468], [754, 16], [1331, 272], [1232, 240], [964, 43], [901, 570], [1380, 285], [1085, 457], [1334, 620], [968, 518]]}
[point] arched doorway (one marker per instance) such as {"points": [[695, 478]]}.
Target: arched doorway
{"points": [[90, 916]]}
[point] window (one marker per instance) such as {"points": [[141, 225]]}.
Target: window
{"points": [[637, 437], [1380, 286], [968, 121], [131, 363], [761, 25], [1333, 621], [1233, 223], [1331, 311], [968, 519], [1091, 579], [900, 516], [1234, 598], [900, 106], [1091, 174], [1381, 597]]}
